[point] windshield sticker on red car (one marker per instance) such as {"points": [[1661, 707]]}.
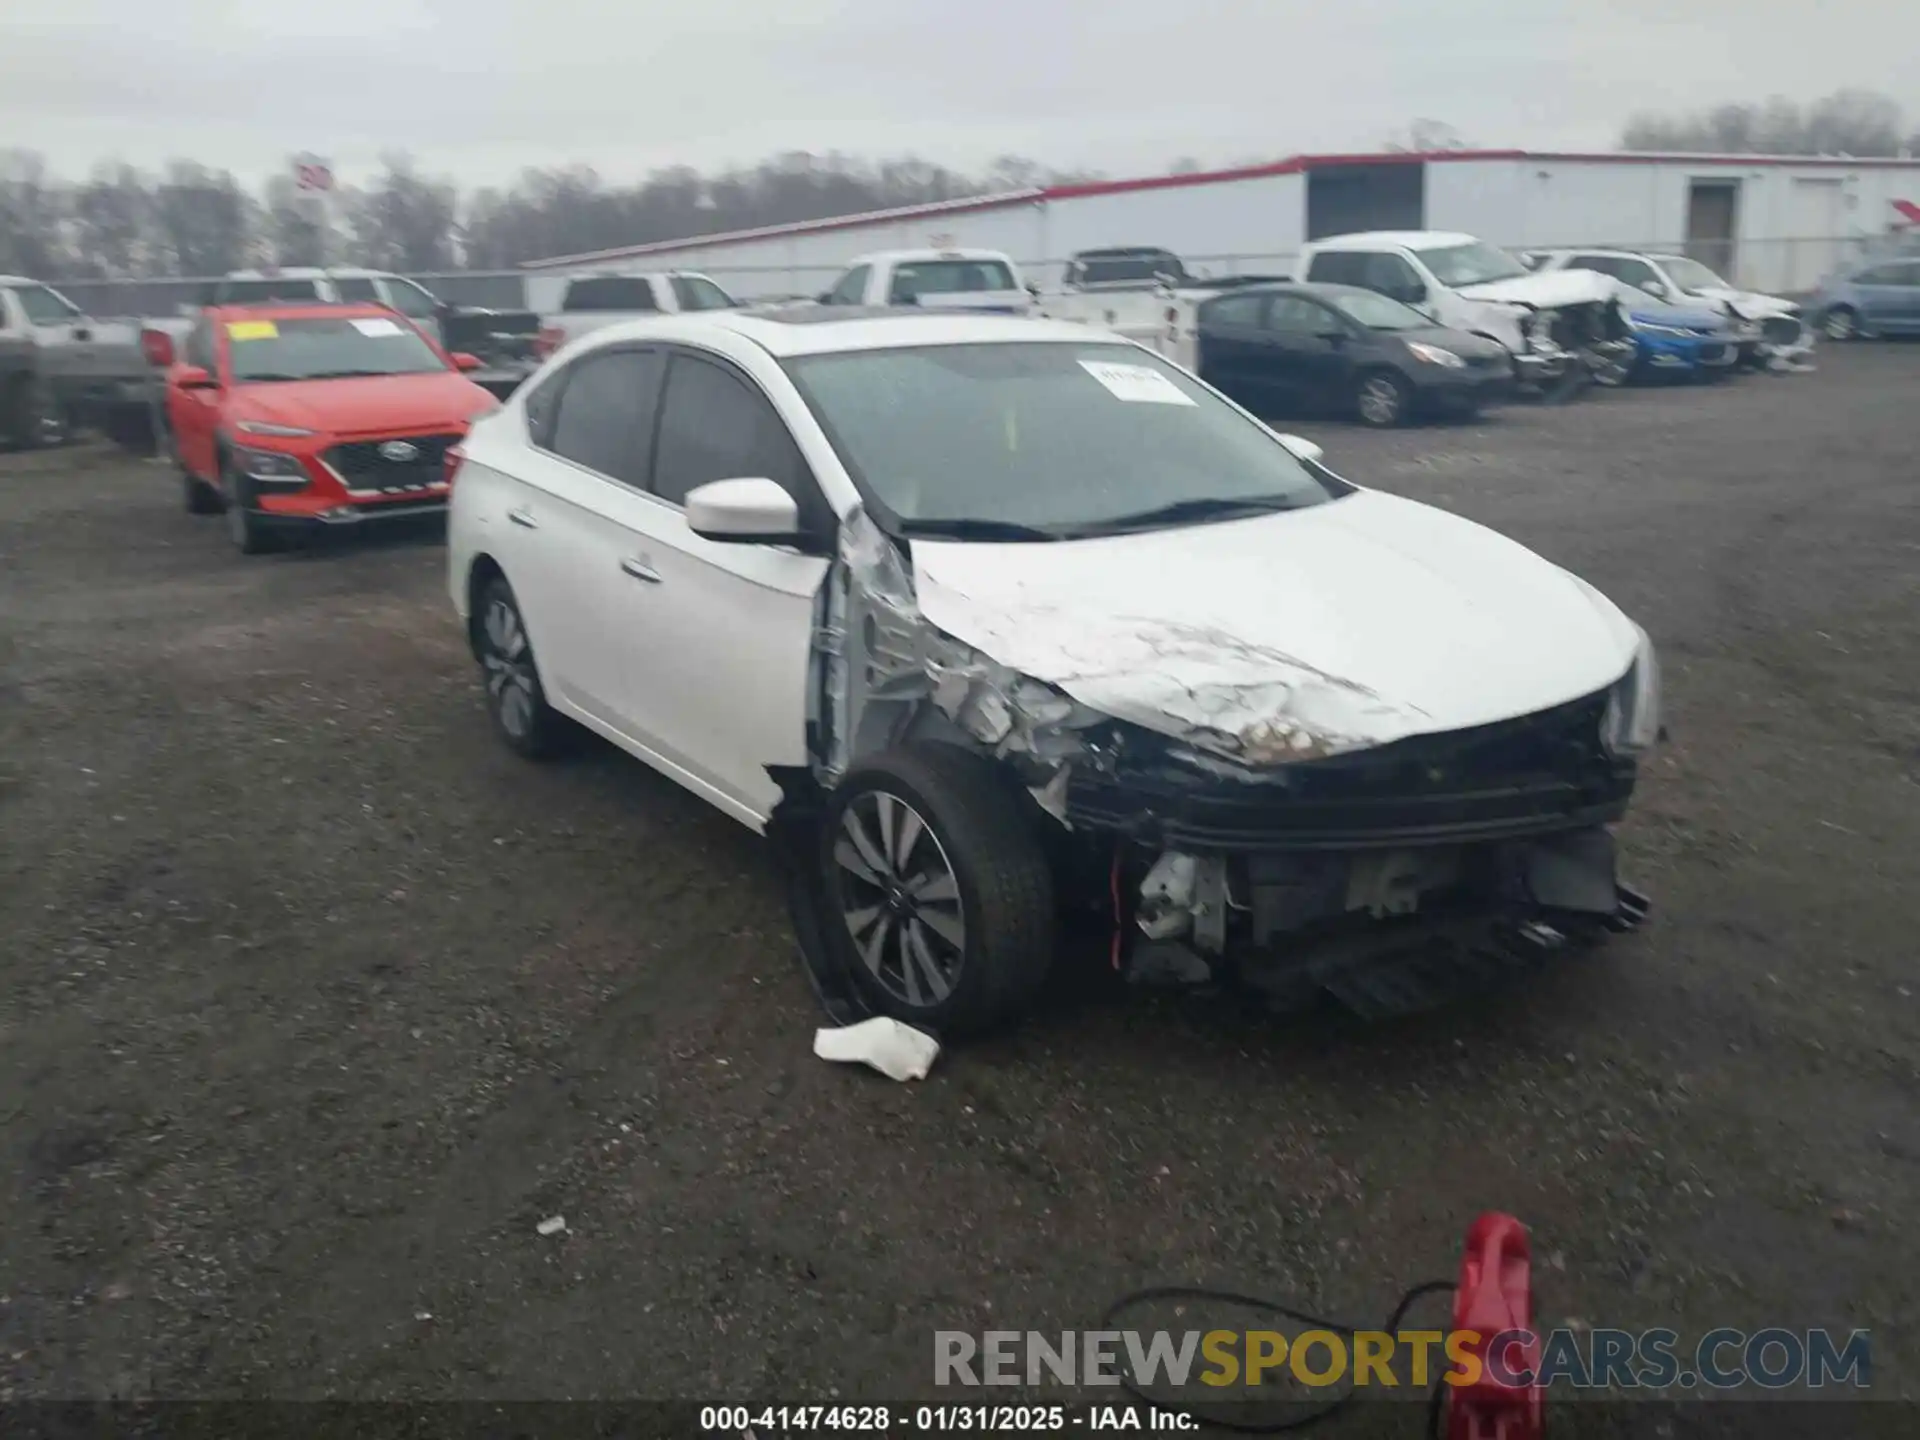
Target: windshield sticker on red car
{"points": [[1136, 384], [252, 330], [377, 328]]}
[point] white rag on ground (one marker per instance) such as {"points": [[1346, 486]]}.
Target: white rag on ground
{"points": [[897, 1051]]}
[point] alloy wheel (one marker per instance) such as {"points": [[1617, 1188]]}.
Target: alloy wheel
{"points": [[1838, 325], [1379, 401], [509, 666], [899, 899]]}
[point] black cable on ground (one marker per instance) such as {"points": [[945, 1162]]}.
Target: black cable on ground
{"points": [[1274, 1307]]}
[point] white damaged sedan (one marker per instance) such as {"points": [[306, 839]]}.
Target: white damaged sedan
{"points": [[1002, 628]]}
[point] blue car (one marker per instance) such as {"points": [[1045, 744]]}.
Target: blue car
{"points": [[1678, 340], [1870, 297]]}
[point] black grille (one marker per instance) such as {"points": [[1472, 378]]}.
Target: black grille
{"points": [[1532, 775], [363, 467]]}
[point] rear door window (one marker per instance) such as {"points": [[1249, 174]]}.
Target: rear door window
{"points": [[1233, 310], [357, 288], [1337, 267], [604, 414]]}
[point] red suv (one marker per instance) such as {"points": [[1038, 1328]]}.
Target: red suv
{"points": [[292, 417]]}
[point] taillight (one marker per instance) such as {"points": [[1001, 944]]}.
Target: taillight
{"points": [[450, 465], [550, 339], [157, 346]]}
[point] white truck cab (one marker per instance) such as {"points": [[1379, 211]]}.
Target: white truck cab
{"points": [[935, 280], [304, 282], [1461, 281]]}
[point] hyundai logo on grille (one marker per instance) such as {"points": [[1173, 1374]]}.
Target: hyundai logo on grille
{"points": [[399, 451]]}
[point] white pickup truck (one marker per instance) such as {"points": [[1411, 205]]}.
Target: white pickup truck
{"points": [[61, 369], [1552, 324], [591, 302], [934, 280]]}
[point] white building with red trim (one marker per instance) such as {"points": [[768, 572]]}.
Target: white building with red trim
{"points": [[1777, 222]]}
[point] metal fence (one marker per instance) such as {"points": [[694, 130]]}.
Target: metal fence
{"points": [[1782, 266]]}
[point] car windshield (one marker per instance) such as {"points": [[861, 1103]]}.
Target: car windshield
{"points": [[45, 306], [1060, 438], [1692, 275], [327, 347], [1377, 312], [1475, 263]]}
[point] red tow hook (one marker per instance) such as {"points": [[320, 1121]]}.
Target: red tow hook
{"points": [[1495, 1302]]}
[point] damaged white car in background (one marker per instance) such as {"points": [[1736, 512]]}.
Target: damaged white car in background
{"points": [[1771, 330], [1008, 632]]}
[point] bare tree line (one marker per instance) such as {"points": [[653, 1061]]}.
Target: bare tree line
{"points": [[194, 220], [191, 219]]}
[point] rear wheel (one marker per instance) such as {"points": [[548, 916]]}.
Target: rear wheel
{"points": [[1840, 323], [515, 698], [937, 897], [1381, 399]]}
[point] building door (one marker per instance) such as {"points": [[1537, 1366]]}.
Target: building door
{"points": [[1816, 228], [1712, 206]]}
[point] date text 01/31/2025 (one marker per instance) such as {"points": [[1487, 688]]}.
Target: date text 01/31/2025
{"points": [[769, 1420]]}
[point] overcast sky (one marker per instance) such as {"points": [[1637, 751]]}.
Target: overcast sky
{"points": [[477, 89]]}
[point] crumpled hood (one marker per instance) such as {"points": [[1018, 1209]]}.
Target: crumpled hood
{"points": [[1548, 291], [438, 401], [1352, 623], [1750, 303]]}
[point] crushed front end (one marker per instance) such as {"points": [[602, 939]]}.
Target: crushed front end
{"points": [[1391, 876]]}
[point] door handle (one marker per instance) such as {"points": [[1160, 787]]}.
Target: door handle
{"points": [[524, 519], [640, 570]]}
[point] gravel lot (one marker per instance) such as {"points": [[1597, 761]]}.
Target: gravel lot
{"points": [[314, 1001]]}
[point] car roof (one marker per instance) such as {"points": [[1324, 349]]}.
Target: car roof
{"points": [[832, 329], [1396, 239], [303, 310], [1312, 289]]}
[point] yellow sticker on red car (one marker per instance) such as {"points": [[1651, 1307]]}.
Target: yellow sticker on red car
{"points": [[252, 330]]}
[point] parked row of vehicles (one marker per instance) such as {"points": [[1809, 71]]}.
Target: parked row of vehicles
{"points": [[61, 370]]}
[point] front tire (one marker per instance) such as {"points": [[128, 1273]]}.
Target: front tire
{"points": [[1382, 399], [516, 700], [937, 897], [1841, 323], [249, 535]]}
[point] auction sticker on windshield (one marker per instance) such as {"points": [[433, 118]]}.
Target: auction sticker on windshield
{"points": [[377, 328], [252, 330], [1136, 384]]}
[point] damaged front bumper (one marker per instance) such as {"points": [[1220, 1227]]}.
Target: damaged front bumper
{"points": [[1392, 878]]}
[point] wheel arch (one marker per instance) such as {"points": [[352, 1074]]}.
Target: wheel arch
{"points": [[482, 570]]}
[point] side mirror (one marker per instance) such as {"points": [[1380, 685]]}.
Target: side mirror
{"points": [[194, 377], [825, 297], [1033, 289], [463, 361], [1302, 448], [746, 512], [1656, 288]]}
